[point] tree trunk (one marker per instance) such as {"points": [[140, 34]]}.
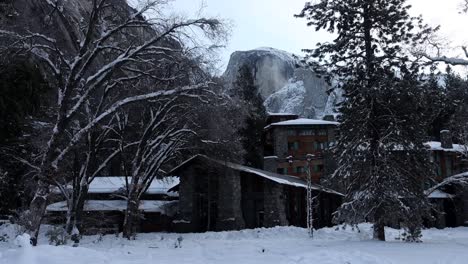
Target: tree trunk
{"points": [[74, 219], [37, 210], [132, 217], [379, 225]]}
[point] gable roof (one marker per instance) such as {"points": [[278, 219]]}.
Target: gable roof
{"points": [[281, 114], [113, 184], [275, 177], [303, 122]]}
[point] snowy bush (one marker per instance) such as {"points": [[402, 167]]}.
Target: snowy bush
{"points": [[4, 238], [57, 236], [412, 236]]}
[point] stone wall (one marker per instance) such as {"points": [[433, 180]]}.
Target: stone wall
{"points": [[280, 142], [229, 201], [464, 208], [446, 139], [270, 164], [184, 220], [331, 133], [274, 205]]}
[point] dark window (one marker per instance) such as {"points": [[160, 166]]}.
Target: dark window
{"points": [[299, 169], [307, 132], [293, 145], [318, 168], [281, 170], [320, 145]]}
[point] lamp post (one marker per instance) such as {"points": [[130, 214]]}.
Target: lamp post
{"points": [[309, 200], [310, 219]]}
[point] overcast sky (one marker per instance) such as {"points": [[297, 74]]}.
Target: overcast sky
{"points": [[270, 23]]}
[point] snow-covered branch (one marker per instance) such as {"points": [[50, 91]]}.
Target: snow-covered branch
{"points": [[448, 60], [118, 59], [460, 179], [186, 90]]}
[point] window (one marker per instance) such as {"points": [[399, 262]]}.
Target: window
{"points": [[282, 171], [299, 169], [320, 145], [322, 132], [307, 132], [293, 145], [448, 164], [324, 145], [318, 168]]}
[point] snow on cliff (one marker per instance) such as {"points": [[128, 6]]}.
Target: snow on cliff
{"points": [[285, 87]]}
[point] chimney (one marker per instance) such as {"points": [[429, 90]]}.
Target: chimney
{"points": [[270, 163], [446, 139]]}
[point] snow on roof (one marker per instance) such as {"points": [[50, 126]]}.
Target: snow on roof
{"points": [[438, 194], [279, 178], [436, 145], [304, 122], [112, 184], [163, 207], [281, 114]]}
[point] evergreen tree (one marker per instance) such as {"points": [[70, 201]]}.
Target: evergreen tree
{"points": [[438, 108], [255, 117], [456, 106], [22, 96], [380, 152]]}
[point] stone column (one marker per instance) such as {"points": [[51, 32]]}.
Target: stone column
{"points": [[446, 139], [229, 201], [464, 203], [270, 163], [184, 221], [280, 142], [440, 218], [274, 205]]}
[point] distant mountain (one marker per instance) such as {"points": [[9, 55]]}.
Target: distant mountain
{"points": [[285, 87]]}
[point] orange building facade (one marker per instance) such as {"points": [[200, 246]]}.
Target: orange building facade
{"points": [[295, 144]]}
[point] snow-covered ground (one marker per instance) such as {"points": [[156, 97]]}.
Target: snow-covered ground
{"points": [[276, 245]]}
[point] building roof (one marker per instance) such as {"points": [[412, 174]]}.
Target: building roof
{"points": [[112, 184], [438, 194], [278, 178], [281, 114], [303, 122], [437, 146], [149, 206]]}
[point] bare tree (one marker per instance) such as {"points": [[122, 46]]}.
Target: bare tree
{"points": [[433, 50], [90, 160], [92, 78], [439, 57], [163, 136]]}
